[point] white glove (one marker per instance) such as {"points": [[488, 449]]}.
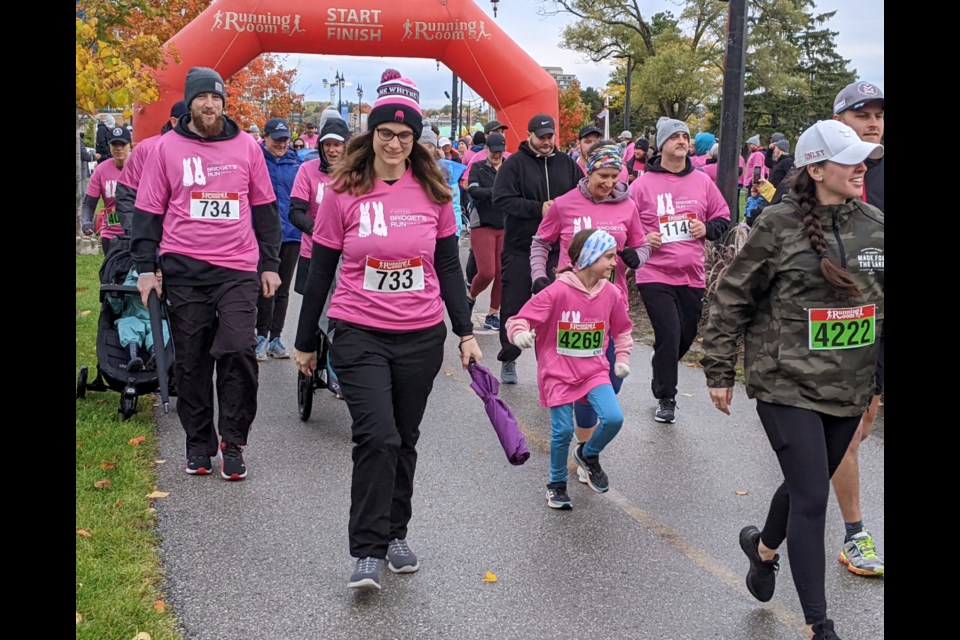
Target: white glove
{"points": [[525, 339], [621, 369]]}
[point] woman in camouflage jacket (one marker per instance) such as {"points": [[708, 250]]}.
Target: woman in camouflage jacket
{"points": [[806, 292]]}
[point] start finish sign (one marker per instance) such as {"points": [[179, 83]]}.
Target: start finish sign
{"points": [[847, 328]]}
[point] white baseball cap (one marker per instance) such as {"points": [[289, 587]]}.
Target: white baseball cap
{"points": [[832, 140]]}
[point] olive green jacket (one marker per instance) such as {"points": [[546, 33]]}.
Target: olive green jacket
{"points": [[766, 294]]}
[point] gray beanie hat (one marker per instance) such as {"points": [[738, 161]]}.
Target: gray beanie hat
{"points": [[202, 80], [777, 137], [783, 144], [428, 136], [329, 113], [666, 127], [754, 140]]}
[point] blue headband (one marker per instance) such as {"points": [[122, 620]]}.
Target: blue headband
{"points": [[596, 245]]}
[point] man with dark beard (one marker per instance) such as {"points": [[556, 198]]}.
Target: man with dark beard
{"points": [[206, 215]]}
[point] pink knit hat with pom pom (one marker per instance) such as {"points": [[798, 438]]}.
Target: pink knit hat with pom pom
{"points": [[398, 100]]}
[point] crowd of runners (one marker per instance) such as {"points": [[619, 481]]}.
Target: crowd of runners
{"points": [[221, 225]]}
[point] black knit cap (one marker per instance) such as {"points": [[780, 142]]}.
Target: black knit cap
{"points": [[202, 80]]}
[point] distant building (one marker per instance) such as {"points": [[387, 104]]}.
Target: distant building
{"points": [[564, 80]]}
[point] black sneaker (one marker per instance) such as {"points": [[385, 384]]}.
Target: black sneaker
{"points": [[824, 631], [400, 558], [232, 466], [366, 575], [557, 497], [198, 466], [666, 410], [762, 576], [596, 477]]}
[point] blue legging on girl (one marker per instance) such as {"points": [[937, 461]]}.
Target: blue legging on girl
{"points": [[586, 416], [603, 400]]}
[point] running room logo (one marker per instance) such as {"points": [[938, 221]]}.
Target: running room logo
{"points": [[870, 260], [360, 25], [257, 22], [193, 172], [453, 30]]}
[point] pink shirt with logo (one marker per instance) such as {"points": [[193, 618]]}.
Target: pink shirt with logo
{"points": [[103, 184], [756, 159], [387, 238], [310, 185], [133, 168], [310, 141], [206, 189], [564, 378], [666, 199], [573, 211]]}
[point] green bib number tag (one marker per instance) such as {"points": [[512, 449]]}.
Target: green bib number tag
{"points": [[112, 216], [580, 339], [848, 328]]}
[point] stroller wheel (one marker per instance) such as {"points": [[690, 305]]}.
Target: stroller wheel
{"points": [[304, 395], [82, 383], [128, 403]]}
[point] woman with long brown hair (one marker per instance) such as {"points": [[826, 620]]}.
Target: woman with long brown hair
{"points": [[388, 213], [806, 291]]}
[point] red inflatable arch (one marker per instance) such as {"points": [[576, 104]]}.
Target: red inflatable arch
{"points": [[231, 33]]}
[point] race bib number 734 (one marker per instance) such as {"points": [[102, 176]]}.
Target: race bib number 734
{"points": [[847, 328], [393, 276], [214, 205]]}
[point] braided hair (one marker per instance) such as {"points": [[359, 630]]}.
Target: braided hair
{"points": [[805, 191]]}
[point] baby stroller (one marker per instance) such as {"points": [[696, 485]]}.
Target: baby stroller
{"points": [[322, 378], [112, 358]]}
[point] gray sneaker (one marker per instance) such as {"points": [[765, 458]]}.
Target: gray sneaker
{"points": [[860, 555], [508, 372], [276, 349], [367, 574], [261, 348], [401, 558]]}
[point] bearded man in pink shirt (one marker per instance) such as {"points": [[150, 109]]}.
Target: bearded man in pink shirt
{"points": [[680, 208], [206, 214]]}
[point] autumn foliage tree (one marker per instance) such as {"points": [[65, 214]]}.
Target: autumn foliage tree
{"points": [[573, 114], [262, 90]]}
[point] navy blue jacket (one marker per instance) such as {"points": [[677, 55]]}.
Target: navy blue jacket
{"points": [[283, 171]]}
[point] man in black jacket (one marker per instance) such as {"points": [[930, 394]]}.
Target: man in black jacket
{"points": [[524, 189], [782, 161], [102, 146]]}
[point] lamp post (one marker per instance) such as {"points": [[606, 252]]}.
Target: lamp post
{"points": [[339, 79], [359, 105], [495, 4], [626, 115]]}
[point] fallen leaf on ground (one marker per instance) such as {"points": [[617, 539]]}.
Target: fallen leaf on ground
{"points": [[159, 461], [136, 441], [490, 577], [740, 493], [102, 484], [84, 533], [158, 494], [160, 606], [79, 618], [118, 503], [143, 635], [480, 452], [85, 312], [107, 466], [447, 373], [687, 395]]}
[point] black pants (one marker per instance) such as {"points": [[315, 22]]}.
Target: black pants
{"points": [[515, 285], [271, 312], [674, 313], [213, 328], [386, 379], [471, 269], [810, 446]]}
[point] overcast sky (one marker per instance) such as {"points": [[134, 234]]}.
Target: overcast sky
{"points": [[860, 39]]}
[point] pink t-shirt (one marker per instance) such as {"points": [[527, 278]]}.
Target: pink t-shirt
{"points": [[565, 307], [756, 160], [310, 141], [711, 170], [698, 161], [667, 204], [103, 184], [310, 185], [387, 238], [133, 168], [206, 189], [573, 211]]}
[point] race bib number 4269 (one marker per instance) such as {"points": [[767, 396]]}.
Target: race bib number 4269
{"points": [[847, 328], [214, 205], [580, 340], [393, 276], [676, 227]]}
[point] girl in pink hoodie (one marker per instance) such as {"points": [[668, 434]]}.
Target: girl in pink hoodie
{"points": [[573, 318]]}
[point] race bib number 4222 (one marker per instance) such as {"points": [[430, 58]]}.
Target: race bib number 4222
{"points": [[214, 205], [847, 328]]}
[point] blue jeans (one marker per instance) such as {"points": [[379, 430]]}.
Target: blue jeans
{"points": [[603, 400], [586, 416]]}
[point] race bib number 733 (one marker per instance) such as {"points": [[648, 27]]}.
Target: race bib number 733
{"points": [[393, 276], [847, 328], [214, 205]]}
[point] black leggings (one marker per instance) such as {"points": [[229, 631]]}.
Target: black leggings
{"points": [[809, 446]]}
